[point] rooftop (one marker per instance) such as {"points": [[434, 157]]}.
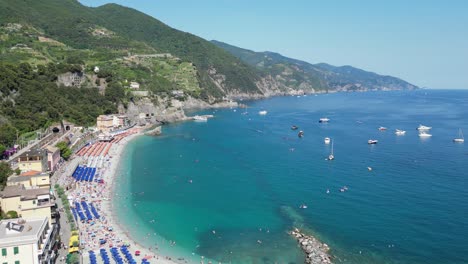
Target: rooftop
{"points": [[19, 231], [33, 152], [19, 190], [31, 173], [52, 149], [105, 117], [27, 175]]}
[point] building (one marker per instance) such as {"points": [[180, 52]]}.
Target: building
{"points": [[33, 160], [108, 123], [27, 241], [134, 85], [28, 203], [53, 157], [30, 180], [123, 121], [105, 123]]}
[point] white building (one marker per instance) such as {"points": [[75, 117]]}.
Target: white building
{"points": [[26, 241]]}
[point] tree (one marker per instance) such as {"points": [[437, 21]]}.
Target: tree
{"points": [[65, 151], [11, 215], [5, 172], [73, 258], [2, 149], [115, 92], [7, 134]]}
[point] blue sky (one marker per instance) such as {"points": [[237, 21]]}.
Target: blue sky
{"points": [[423, 42]]}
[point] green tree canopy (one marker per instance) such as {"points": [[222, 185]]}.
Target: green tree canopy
{"points": [[65, 151], [5, 172]]}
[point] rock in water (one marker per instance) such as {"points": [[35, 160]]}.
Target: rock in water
{"points": [[315, 251]]}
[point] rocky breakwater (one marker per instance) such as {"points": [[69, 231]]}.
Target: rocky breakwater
{"points": [[316, 251]]}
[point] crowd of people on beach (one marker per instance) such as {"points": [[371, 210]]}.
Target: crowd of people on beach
{"points": [[103, 231]]}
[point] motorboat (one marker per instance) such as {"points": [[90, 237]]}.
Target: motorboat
{"points": [[424, 134], [460, 138], [294, 127], [423, 128], [263, 112], [399, 132], [382, 128], [327, 140], [324, 120], [372, 141], [200, 118], [300, 134], [303, 206], [331, 156]]}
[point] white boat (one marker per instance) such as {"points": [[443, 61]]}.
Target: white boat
{"points": [[382, 128], [300, 134], [331, 156], [324, 120], [400, 132], [460, 138], [424, 134], [263, 112], [372, 141], [200, 118], [327, 140], [423, 128], [303, 206]]}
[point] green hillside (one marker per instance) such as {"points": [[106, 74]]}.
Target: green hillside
{"points": [[293, 73], [73, 24]]}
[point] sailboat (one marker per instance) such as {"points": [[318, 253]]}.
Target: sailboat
{"points": [[460, 137], [331, 157]]}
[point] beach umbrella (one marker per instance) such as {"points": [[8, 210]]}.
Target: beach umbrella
{"points": [[137, 253]]}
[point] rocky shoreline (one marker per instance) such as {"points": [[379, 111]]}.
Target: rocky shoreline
{"points": [[316, 252]]}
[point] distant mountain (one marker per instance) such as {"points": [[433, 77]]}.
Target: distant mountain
{"points": [[296, 74]]}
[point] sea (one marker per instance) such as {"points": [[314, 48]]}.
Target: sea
{"points": [[229, 190]]}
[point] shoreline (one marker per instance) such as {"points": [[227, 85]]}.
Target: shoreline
{"points": [[102, 195], [108, 206]]}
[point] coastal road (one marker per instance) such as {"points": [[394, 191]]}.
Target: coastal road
{"points": [[60, 177]]}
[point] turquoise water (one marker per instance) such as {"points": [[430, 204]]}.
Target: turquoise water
{"points": [[244, 177]]}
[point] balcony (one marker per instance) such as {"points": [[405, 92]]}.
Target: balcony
{"points": [[45, 242]]}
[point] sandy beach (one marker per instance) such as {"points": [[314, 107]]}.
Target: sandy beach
{"points": [[100, 195], [108, 205]]}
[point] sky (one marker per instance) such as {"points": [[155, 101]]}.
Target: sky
{"points": [[424, 42]]}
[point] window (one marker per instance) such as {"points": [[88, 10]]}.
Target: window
{"points": [[34, 201], [4, 252], [17, 262], [15, 250]]}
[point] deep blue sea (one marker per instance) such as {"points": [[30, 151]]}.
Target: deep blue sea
{"points": [[219, 188]]}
